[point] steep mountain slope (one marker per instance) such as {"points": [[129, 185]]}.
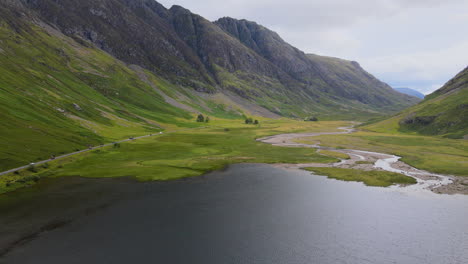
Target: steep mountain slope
{"points": [[444, 112], [350, 80], [336, 77], [410, 91], [79, 73], [57, 95], [191, 51]]}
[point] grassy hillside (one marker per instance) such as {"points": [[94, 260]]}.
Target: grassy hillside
{"points": [[444, 112], [190, 51], [57, 96]]}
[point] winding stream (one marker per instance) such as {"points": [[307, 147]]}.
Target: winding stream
{"points": [[376, 161]]}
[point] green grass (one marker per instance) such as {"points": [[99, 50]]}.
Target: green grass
{"points": [[369, 178], [186, 153], [42, 76], [363, 162], [334, 154]]}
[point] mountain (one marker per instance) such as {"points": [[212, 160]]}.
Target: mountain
{"points": [[410, 91], [331, 77], [191, 51], [78, 73], [444, 112]]}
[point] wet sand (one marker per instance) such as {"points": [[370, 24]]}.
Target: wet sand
{"points": [[437, 183]]}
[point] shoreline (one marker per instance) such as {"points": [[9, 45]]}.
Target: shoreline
{"points": [[437, 183]]}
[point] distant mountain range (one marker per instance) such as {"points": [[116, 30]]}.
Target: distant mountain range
{"points": [[411, 92]]}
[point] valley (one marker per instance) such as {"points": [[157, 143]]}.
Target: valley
{"points": [[132, 132]]}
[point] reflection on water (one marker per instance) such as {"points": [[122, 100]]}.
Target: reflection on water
{"points": [[245, 214]]}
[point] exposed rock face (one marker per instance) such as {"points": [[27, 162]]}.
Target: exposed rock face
{"points": [[272, 47]]}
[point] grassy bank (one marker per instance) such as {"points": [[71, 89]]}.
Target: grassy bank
{"points": [[186, 153], [369, 178], [435, 154], [334, 154]]}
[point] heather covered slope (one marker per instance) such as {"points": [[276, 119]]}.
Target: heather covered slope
{"points": [[444, 112]]}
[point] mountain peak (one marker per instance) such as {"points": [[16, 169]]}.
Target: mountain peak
{"points": [[178, 8]]}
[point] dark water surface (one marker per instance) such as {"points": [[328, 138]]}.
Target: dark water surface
{"points": [[245, 214]]}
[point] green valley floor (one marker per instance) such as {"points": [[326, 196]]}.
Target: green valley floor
{"points": [[186, 152]]}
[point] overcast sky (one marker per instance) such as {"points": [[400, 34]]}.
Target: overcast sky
{"points": [[419, 44]]}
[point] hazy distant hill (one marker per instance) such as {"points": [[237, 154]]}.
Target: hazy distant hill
{"points": [[411, 92]]}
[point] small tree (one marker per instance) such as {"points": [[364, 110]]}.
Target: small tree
{"points": [[207, 119], [256, 122], [313, 118], [248, 120], [200, 118]]}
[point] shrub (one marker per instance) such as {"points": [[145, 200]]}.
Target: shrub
{"points": [[207, 119], [200, 118], [256, 122], [34, 178], [313, 118], [32, 168]]}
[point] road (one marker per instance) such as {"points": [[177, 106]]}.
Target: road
{"points": [[78, 152], [97, 147]]}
